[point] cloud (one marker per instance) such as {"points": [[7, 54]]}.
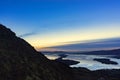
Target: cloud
{"points": [[101, 44], [27, 34]]}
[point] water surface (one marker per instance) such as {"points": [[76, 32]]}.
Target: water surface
{"points": [[87, 60]]}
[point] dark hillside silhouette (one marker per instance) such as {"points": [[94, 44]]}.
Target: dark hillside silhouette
{"points": [[20, 61]]}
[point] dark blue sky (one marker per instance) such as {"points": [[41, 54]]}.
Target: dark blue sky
{"points": [[52, 22]]}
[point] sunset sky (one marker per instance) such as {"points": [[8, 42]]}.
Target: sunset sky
{"points": [[48, 23]]}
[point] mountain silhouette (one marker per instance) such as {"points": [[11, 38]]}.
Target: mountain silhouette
{"points": [[20, 61]]}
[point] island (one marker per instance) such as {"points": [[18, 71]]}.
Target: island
{"points": [[105, 61], [66, 61]]}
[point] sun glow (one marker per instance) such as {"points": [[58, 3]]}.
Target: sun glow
{"points": [[63, 38]]}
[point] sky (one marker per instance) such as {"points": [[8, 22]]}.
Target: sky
{"points": [[50, 23], [89, 45]]}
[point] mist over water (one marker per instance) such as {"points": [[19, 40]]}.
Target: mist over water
{"points": [[87, 60]]}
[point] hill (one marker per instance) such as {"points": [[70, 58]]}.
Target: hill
{"points": [[115, 52], [20, 61]]}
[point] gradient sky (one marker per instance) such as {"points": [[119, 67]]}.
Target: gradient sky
{"points": [[46, 23]]}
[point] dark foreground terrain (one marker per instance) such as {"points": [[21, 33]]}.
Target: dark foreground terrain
{"points": [[20, 61], [85, 74]]}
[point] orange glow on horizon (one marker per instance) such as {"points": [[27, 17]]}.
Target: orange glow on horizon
{"points": [[69, 37]]}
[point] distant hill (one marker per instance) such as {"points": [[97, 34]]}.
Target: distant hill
{"points": [[105, 52], [115, 52], [20, 61]]}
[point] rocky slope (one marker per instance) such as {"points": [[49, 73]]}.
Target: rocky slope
{"points": [[20, 61]]}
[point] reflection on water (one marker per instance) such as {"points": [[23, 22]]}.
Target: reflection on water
{"points": [[87, 61]]}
